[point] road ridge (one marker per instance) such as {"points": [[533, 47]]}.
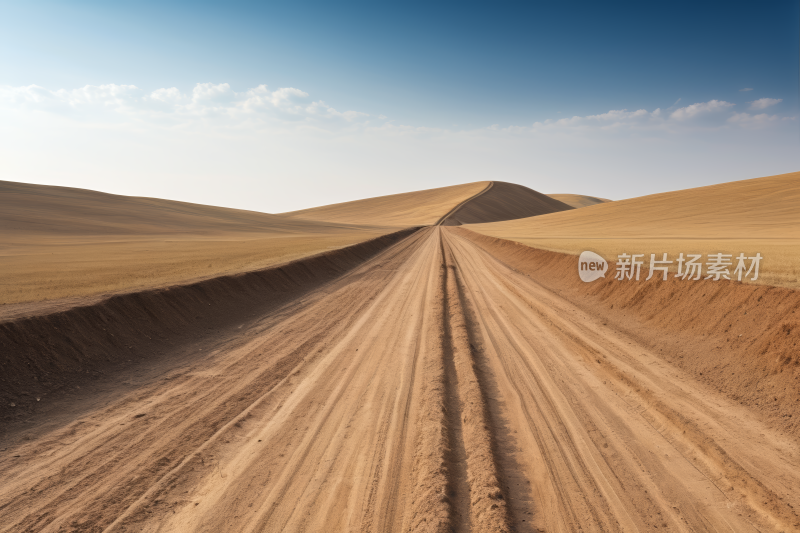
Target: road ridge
{"points": [[489, 510], [430, 507], [459, 488], [462, 204]]}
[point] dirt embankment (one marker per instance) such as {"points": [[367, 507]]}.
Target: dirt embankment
{"points": [[504, 201], [741, 339], [42, 354]]}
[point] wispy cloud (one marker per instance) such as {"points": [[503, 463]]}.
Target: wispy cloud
{"points": [[700, 116], [218, 105], [746, 119], [281, 149], [673, 106], [207, 100], [702, 108], [763, 103]]}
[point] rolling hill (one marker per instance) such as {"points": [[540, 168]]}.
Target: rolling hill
{"points": [[60, 242], [578, 200], [756, 215], [417, 208], [503, 201]]}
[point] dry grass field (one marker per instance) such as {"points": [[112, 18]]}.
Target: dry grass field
{"points": [[53, 270], [759, 215], [61, 242]]}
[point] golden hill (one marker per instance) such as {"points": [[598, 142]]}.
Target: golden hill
{"points": [[43, 209], [504, 201], [62, 242], [757, 215], [418, 208], [578, 200]]}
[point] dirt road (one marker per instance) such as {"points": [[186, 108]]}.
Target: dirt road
{"points": [[431, 389]]}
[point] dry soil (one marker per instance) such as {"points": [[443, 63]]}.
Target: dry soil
{"points": [[429, 387]]}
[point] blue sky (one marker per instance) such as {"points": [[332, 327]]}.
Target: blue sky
{"points": [[438, 93]]}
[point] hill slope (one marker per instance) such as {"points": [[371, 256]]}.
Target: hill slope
{"points": [[60, 242], [42, 209], [418, 208], [578, 200], [756, 215], [504, 201]]}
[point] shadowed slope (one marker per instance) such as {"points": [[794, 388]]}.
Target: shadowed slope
{"points": [[407, 209], [578, 200], [504, 201]]}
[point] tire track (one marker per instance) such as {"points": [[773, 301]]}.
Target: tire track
{"points": [[688, 438], [115, 467], [608, 398], [431, 389], [441, 500], [488, 507]]}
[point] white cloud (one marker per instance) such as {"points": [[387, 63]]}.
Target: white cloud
{"points": [[615, 118], [171, 95], [702, 108], [218, 105], [746, 89], [206, 100], [754, 121], [209, 92], [111, 97], [283, 149], [216, 113], [699, 116], [763, 103]]}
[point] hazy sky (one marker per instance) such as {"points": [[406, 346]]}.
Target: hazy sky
{"points": [[275, 106]]}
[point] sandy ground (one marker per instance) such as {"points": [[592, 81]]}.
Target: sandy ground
{"points": [[752, 216], [433, 388]]}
